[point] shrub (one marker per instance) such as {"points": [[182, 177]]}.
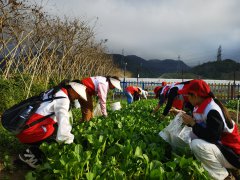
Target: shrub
{"points": [[232, 104], [15, 89]]}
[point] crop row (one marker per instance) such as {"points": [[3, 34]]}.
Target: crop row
{"points": [[125, 145]]}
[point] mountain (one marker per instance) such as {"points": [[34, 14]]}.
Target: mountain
{"points": [[148, 68], [223, 70]]}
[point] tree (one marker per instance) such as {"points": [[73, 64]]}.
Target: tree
{"points": [[49, 48]]}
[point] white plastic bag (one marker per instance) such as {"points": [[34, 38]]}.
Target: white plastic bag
{"points": [[70, 117], [115, 106], [185, 134], [177, 134], [77, 104], [97, 110]]}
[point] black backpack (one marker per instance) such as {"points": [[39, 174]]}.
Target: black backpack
{"points": [[14, 119]]}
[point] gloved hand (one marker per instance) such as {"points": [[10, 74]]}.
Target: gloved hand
{"points": [[105, 116], [176, 111], [81, 121]]}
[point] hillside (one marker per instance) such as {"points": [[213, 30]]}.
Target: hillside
{"points": [[148, 68], [183, 75], [218, 70]]}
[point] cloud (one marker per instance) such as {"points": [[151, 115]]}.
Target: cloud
{"points": [[159, 29]]}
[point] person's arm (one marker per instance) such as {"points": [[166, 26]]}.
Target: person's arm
{"points": [[162, 99], [171, 96], [160, 103], [156, 109], [64, 126], [102, 95], [214, 127], [144, 93]]}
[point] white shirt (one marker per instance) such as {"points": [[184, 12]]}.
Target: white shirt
{"points": [[61, 109]]}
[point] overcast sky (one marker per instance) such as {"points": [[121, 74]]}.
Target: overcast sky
{"points": [[161, 29]]}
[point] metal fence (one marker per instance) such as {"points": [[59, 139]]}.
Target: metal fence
{"points": [[223, 91]]}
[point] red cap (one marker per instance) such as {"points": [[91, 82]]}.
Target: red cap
{"points": [[164, 83], [197, 87]]}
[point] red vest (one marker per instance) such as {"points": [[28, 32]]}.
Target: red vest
{"points": [[179, 100], [232, 139], [89, 84], [229, 137], [131, 89]]}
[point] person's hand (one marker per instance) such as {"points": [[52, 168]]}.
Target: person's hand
{"points": [[81, 121], [152, 111], [188, 120], [161, 117], [176, 111]]}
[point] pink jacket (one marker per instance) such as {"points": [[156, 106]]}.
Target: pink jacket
{"points": [[98, 85]]}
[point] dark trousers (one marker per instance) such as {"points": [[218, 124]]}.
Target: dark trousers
{"points": [[86, 108], [34, 147], [136, 96]]}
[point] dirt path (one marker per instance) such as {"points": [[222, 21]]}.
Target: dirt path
{"points": [[16, 172], [13, 175]]}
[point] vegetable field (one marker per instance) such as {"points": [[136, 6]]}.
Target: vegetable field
{"points": [[125, 145]]}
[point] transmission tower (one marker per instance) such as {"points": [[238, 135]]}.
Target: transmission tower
{"points": [[219, 53]]}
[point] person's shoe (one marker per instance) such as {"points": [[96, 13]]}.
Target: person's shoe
{"points": [[29, 158], [230, 177]]}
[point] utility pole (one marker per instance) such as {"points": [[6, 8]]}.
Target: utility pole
{"points": [[234, 77], [233, 86], [137, 75], [122, 60], [178, 66], [138, 72], [125, 67], [182, 74]]}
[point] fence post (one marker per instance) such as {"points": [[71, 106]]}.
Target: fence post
{"points": [[229, 90], [225, 92], [237, 107]]}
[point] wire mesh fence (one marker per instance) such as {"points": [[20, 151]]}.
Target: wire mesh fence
{"points": [[223, 91]]}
